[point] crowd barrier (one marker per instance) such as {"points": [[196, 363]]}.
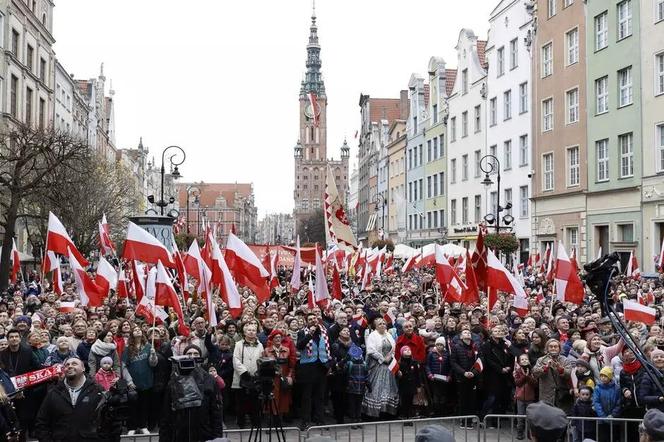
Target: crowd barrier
{"points": [[494, 428]]}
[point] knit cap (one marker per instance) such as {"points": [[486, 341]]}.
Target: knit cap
{"points": [[106, 360], [656, 352], [440, 340], [606, 371]]}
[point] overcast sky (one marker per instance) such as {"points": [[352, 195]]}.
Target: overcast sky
{"points": [[221, 78]]}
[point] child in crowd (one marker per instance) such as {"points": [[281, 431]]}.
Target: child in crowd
{"points": [[525, 392], [358, 382], [606, 402], [583, 407], [219, 382], [409, 381], [584, 375], [438, 371], [106, 376]]}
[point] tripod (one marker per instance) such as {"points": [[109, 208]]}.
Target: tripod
{"points": [[267, 401]]}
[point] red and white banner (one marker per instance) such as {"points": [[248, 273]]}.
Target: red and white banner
{"points": [[636, 312], [313, 102], [141, 245], [105, 244], [394, 366], [166, 296], [246, 267], [33, 378], [500, 279], [337, 227], [67, 306], [322, 294], [296, 278], [58, 240], [107, 277], [88, 290]]}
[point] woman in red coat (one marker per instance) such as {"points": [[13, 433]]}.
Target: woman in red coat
{"points": [[283, 381]]}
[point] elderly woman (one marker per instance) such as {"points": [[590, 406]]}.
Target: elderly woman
{"points": [[245, 365], [649, 394], [384, 394], [284, 378], [553, 374]]}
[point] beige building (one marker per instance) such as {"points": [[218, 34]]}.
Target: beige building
{"points": [[396, 152], [559, 175]]}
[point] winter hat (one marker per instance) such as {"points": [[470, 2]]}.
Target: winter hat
{"points": [[23, 318], [653, 423], [656, 352], [440, 340], [584, 364], [546, 422], [606, 371], [434, 433], [403, 349], [276, 332], [106, 359], [192, 346]]}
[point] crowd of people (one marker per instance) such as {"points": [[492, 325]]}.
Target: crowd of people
{"points": [[393, 350]]}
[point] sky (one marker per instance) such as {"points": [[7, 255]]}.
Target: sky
{"points": [[221, 78]]}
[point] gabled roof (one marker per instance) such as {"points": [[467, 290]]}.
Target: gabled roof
{"points": [[384, 109], [450, 78], [481, 53]]}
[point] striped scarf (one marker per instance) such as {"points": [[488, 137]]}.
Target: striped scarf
{"points": [[310, 345]]}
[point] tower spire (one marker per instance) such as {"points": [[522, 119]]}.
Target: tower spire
{"points": [[313, 80]]}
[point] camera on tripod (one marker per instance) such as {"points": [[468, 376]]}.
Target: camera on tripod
{"points": [[267, 371]]}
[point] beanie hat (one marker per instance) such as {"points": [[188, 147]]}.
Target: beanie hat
{"points": [[106, 359], [653, 423], [403, 349], [440, 340], [192, 346], [656, 352], [606, 371], [23, 318]]}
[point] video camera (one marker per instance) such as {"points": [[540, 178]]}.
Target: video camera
{"points": [[265, 374], [185, 363]]}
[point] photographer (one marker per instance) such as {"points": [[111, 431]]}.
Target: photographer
{"points": [[245, 365], [191, 411]]}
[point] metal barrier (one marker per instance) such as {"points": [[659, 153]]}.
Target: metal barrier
{"points": [[464, 429], [579, 428]]}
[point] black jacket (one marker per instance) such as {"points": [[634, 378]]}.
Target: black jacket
{"points": [[59, 420], [19, 362], [162, 371], [631, 382], [462, 359], [496, 357], [196, 423]]}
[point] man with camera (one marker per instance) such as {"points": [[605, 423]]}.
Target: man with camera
{"points": [[190, 411], [314, 348]]}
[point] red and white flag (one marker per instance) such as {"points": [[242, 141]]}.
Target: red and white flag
{"points": [[472, 293], [660, 260], [637, 312], [478, 365], [198, 268], [313, 102], [338, 230], [545, 259], [569, 287], [182, 271], [247, 268], [123, 285], [573, 260], [146, 306], [633, 270], [16, 263], [67, 306], [479, 261], [296, 278], [551, 265], [58, 240], [270, 262], [394, 366], [447, 277], [107, 277], [88, 290], [105, 244], [336, 283], [143, 246], [166, 296], [499, 278], [229, 292], [410, 263], [56, 276], [321, 293], [138, 279]]}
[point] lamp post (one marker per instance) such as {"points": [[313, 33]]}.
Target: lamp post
{"points": [[380, 199], [189, 189], [490, 164], [201, 213], [175, 174]]}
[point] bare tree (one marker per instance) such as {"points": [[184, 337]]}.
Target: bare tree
{"points": [[312, 228], [31, 163]]}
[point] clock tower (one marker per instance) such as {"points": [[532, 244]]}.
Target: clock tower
{"points": [[310, 152]]}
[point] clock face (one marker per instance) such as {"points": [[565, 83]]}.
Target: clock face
{"points": [[308, 111]]}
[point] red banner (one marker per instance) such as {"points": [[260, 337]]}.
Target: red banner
{"points": [[27, 380], [286, 254]]}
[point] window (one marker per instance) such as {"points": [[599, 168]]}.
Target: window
{"points": [[547, 60], [478, 119], [29, 57], [572, 106], [493, 111], [42, 113], [523, 201], [572, 46], [572, 238], [478, 157], [493, 150], [429, 187], [478, 208], [659, 73], [410, 159], [659, 14], [464, 210], [567, 3], [435, 147], [523, 98], [13, 99], [415, 124], [453, 171], [602, 31], [464, 124], [442, 145], [500, 63], [523, 150], [305, 204], [602, 151], [429, 157], [514, 53], [429, 220], [507, 155], [624, 19], [453, 129], [602, 95], [441, 183], [573, 170], [453, 219], [2, 30], [508, 199], [625, 232], [625, 87], [15, 42], [659, 141], [507, 105], [42, 70], [435, 185], [434, 111], [464, 81], [552, 8], [547, 114], [547, 167], [421, 154], [464, 168], [410, 193], [626, 144]]}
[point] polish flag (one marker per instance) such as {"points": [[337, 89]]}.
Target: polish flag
{"points": [[310, 293], [426, 259], [198, 268], [143, 246], [479, 260], [545, 259], [107, 277], [228, 291], [633, 270], [447, 277], [166, 296], [538, 257], [478, 365], [123, 285], [360, 320], [138, 279], [336, 283], [640, 298], [105, 243], [394, 366], [314, 107], [270, 262], [551, 266], [88, 290], [296, 277], [500, 279], [321, 294], [540, 296], [16, 263], [572, 259], [146, 306], [181, 271], [58, 240], [660, 260], [247, 268], [472, 294], [52, 264], [67, 306], [637, 312], [569, 287], [218, 278], [410, 263]]}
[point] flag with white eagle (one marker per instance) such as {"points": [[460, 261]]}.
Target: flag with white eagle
{"points": [[337, 226]]}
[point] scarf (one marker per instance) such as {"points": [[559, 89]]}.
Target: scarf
{"points": [[631, 367], [310, 345]]}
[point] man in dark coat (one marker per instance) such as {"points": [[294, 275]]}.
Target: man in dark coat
{"points": [[498, 367], [69, 411]]}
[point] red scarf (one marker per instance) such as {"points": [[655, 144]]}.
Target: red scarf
{"points": [[631, 367]]}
